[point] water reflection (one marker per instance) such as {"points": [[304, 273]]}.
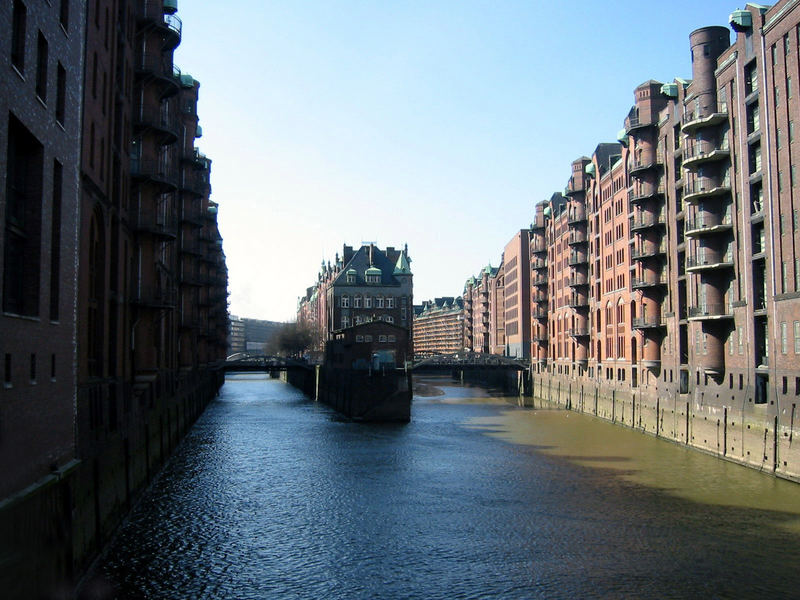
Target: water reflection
{"points": [[274, 496]]}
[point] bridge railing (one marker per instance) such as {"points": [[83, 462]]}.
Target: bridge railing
{"points": [[471, 360]]}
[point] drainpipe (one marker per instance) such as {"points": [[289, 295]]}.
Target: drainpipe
{"points": [[767, 134], [743, 153]]}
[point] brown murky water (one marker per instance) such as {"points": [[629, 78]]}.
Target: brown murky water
{"points": [[274, 496]]}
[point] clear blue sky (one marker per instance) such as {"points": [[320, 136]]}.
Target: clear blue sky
{"points": [[436, 124]]}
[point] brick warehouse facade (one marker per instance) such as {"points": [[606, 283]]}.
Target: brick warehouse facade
{"points": [[439, 327], [114, 280], [665, 280], [673, 289]]}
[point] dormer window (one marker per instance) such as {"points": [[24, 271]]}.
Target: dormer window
{"points": [[351, 276], [372, 275]]}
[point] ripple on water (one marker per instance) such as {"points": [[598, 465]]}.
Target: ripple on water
{"points": [[271, 496]]}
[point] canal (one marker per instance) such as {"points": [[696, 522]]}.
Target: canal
{"points": [[274, 496]]}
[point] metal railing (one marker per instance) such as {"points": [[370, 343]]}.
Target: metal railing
{"points": [[644, 222], [646, 322], [709, 260], [710, 310], [699, 223]]}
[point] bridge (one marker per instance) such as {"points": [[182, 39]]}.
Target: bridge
{"points": [[242, 362], [469, 361], [461, 361]]}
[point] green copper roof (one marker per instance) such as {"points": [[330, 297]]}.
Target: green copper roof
{"points": [[402, 267], [187, 80], [373, 271], [546, 211], [670, 89], [589, 169], [622, 137]]}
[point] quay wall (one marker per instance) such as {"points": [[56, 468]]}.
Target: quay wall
{"points": [[360, 395], [757, 436], [51, 532]]}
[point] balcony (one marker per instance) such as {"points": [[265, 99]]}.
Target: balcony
{"points": [[636, 122], [540, 339], [644, 192], [576, 216], [193, 248], [538, 264], [192, 280], [154, 171], [161, 122], [710, 312], [648, 323], [693, 121], [708, 262], [700, 226], [157, 223], [154, 297], [539, 312], [645, 164], [646, 222], [578, 302], [152, 14], [577, 259], [705, 152], [539, 280], [577, 237], [577, 281], [647, 282], [153, 65], [578, 332], [197, 159], [650, 251], [538, 247], [190, 322], [192, 217], [697, 192]]}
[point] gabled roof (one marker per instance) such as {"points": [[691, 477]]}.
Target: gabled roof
{"points": [[359, 264]]}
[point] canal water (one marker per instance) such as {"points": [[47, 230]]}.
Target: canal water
{"points": [[274, 496]]}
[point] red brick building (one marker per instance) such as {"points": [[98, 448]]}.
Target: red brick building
{"points": [[363, 285], [40, 118], [516, 295], [439, 326], [114, 284], [687, 231]]}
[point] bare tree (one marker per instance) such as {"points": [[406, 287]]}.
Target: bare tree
{"points": [[292, 339]]}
